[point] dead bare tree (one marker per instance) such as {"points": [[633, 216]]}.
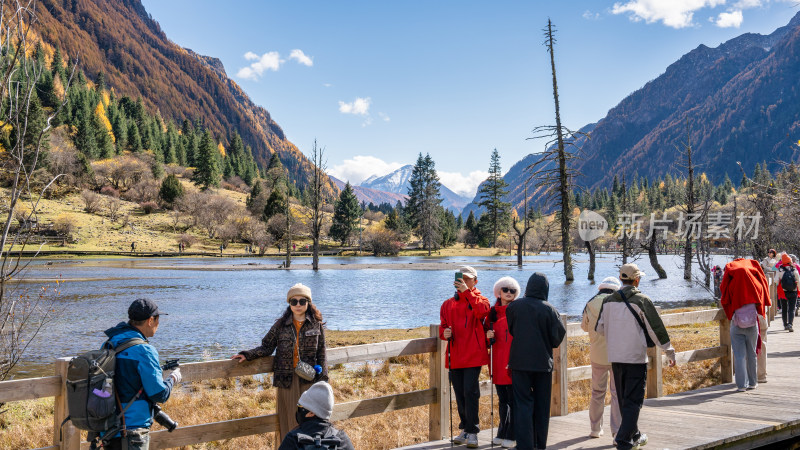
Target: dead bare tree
{"points": [[690, 204], [554, 172], [521, 226], [317, 200], [23, 312]]}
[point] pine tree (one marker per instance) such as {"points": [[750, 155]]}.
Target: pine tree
{"points": [[171, 189], [134, 138], [346, 212], [276, 203], [207, 171], [86, 137], [424, 201], [492, 192]]}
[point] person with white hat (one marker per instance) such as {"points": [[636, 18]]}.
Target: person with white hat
{"points": [[630, 324], [298, 340], [598, 355], [314, 410], [461, 318]]}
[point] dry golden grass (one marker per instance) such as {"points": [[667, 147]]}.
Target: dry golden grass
{"points": [[29, 424]]}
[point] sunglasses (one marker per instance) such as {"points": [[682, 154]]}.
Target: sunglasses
{"points": [[507, 290], [300, 301]]}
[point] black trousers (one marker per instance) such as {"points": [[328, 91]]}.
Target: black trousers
{"points": [[531, 399], [505, 402], [468, 393], [787, 308], [630, 380]]}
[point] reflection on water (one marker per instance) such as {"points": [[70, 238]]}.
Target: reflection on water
{"points": [[214, 314]]}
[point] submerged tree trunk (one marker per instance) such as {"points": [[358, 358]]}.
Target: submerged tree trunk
{"points": [[590, 250], [653, 253]]}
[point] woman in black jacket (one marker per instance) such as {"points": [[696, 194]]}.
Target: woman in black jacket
{"points": [[297, 337]]}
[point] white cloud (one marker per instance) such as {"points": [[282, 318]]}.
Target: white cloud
{"points": [[746, 4], [461, 184], [301, 57], [673, 13], [359, 106], [729, 19], [327, 84], [384, 117], [588, 15], [268, 61], [359, 168]]}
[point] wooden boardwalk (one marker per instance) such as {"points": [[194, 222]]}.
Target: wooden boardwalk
{"points": [[705, 418]]}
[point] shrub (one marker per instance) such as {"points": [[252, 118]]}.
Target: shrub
{"points": [[384, 242], [113, 205], [148, 207], [145, 190], [187, 240], [65, 225], [171, 189], [109, 191], [91, 201]]}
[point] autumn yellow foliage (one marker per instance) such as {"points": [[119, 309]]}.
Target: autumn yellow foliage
{"points": [[221, 149], [100, 112]]}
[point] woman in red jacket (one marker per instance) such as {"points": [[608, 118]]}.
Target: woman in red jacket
{"points": [[506, 290]]}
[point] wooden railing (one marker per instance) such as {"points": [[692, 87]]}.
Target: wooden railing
{"points": [[436, 396]]}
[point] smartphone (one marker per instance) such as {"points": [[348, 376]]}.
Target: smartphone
{"points": [[459, 275]]}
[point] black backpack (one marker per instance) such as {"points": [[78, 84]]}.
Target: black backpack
{"points": [[91, 394], [788, 281], [327, 441]]}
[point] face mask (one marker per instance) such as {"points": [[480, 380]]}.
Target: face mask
{"points": [[300, 415]]}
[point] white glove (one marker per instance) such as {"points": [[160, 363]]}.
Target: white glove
{"points": [[175, 375]]}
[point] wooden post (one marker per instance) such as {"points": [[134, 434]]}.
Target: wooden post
{"points": [[726, 360], [655, 377], [773, 296], [67, 437], [559, 405], [439, 410]]}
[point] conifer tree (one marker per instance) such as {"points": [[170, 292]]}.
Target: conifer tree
{"points": [[346, 212], [171, 189], [207, 171], [276, 203], [134, 138], [423, 202], [492, 192]]}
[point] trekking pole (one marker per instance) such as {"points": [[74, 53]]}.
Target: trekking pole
{"points": [[491, 389], [450, 391]]}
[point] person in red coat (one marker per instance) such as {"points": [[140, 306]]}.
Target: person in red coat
{"points": [[506, 290], [462, 326], [744, 297]]}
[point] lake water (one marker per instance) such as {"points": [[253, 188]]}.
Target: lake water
{"points": [[217, 308]]}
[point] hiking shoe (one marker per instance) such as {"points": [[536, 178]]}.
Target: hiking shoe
{"points": [[508, 443], [472, 440], [741, 389], [596, 434], [641, 442], [461, 439], [791, 329], [497, 441]]}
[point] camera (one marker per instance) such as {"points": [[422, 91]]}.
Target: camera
{"points": [[163, 419], [160, 416]]}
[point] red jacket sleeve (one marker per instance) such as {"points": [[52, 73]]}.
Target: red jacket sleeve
{"points": [[724, 297], [479, 303], [443, 313]]}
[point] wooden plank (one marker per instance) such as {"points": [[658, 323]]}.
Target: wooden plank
{"points": [[579, 373], [682, 358], [54, 447], [381, 350], [558, 399], [574, 330], [224, 368], [67, 436], [29, 389], [655, 375], [378, 405], [227, 368], [691, 317], [438, 409], [216, 431], [726, 360]]}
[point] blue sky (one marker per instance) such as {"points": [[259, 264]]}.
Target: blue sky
{"points": [[378, 82]]}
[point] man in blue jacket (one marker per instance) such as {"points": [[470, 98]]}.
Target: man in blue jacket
{"points": [[139, 380]]}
